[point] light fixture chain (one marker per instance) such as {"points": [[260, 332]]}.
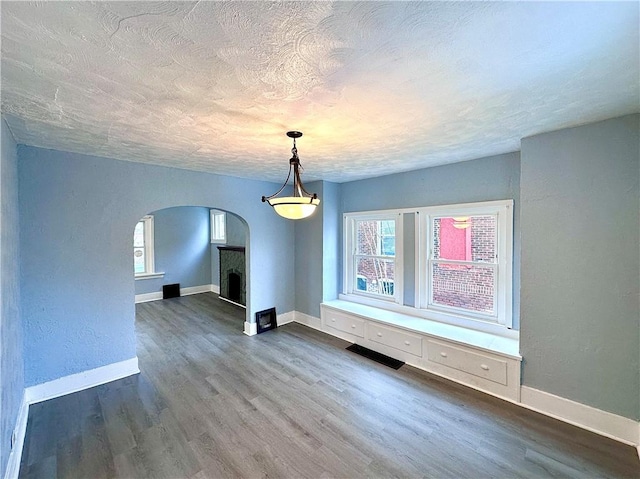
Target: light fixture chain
{"points": [[302, 203]]}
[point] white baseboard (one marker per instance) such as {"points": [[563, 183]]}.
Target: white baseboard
{"points": [[586, 417], [250, 329], [204, 288], [308, 320], [156, 295], [286, 318], [20, 430], [146, 297], [84, 380]]}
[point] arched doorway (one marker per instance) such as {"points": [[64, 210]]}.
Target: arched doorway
{"points": [[177, 251]]}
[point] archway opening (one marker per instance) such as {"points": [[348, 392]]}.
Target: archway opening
{"points": [[187, 249]]}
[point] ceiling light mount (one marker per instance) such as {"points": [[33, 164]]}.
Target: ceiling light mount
{"points": [[302, 204]]}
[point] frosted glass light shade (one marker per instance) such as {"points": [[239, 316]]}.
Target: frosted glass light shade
{"points": [[294, 207]]}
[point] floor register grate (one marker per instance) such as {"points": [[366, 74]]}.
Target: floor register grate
{"points": [[375, 356]]}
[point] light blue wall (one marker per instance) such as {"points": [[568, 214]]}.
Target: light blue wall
{"points": [[236, 230], [236, 236], [11, 348], [182, 242], [581, 264], [485, 179], [77, 285], [317, 249], [331, 241], [309, 257]]}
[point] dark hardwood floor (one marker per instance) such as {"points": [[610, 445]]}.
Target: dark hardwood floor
{"points": [[211, 402]]}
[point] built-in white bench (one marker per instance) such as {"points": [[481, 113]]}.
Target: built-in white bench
{"points": [[477, 359]]}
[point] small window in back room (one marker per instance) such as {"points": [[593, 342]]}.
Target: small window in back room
{"points": [[218, 226], [143, 257]]}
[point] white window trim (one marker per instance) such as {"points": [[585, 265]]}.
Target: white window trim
{"points": [[504, 208], [349, 220], [141, 276], [217, 238], [149, 259]]}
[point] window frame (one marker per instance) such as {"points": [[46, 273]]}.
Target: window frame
{"points": [[217, 237], [351, 255], [504, 248], [503, 211], [148, 241]]}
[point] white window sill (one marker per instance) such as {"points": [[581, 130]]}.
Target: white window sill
{"points": [[507, 346], [466, 322], [148, 276]]}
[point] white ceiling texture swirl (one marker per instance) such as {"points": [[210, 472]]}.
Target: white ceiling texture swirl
{"points": [[376, 87]]}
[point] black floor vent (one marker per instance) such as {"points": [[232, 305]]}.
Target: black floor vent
{"points": [[171, 291], [375, 356]]}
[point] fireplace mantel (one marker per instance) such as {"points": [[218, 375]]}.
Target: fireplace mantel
{"points": [[231, 248]]}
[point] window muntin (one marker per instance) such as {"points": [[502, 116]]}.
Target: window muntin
{"points": [[143, 259], [374, 264], [218, 226]]}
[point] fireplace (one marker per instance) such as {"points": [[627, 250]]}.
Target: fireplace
{"points": [[232, 274], [235, 286]]}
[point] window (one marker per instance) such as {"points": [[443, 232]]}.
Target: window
{"points": [[218, 226], [143, 257], [375, 260], [466, 261], [463, 262]]}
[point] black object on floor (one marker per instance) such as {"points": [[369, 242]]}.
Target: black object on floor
{"points": [[171, 291], [266, 320], [375, 356]]}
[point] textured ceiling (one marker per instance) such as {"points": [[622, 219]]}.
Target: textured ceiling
{"points": [[375, 87]]}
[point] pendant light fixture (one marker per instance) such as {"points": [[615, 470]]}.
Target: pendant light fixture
{"points": [[302, 203]]}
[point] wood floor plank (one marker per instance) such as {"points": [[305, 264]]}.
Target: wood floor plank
{"points": [[213, 403]]}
